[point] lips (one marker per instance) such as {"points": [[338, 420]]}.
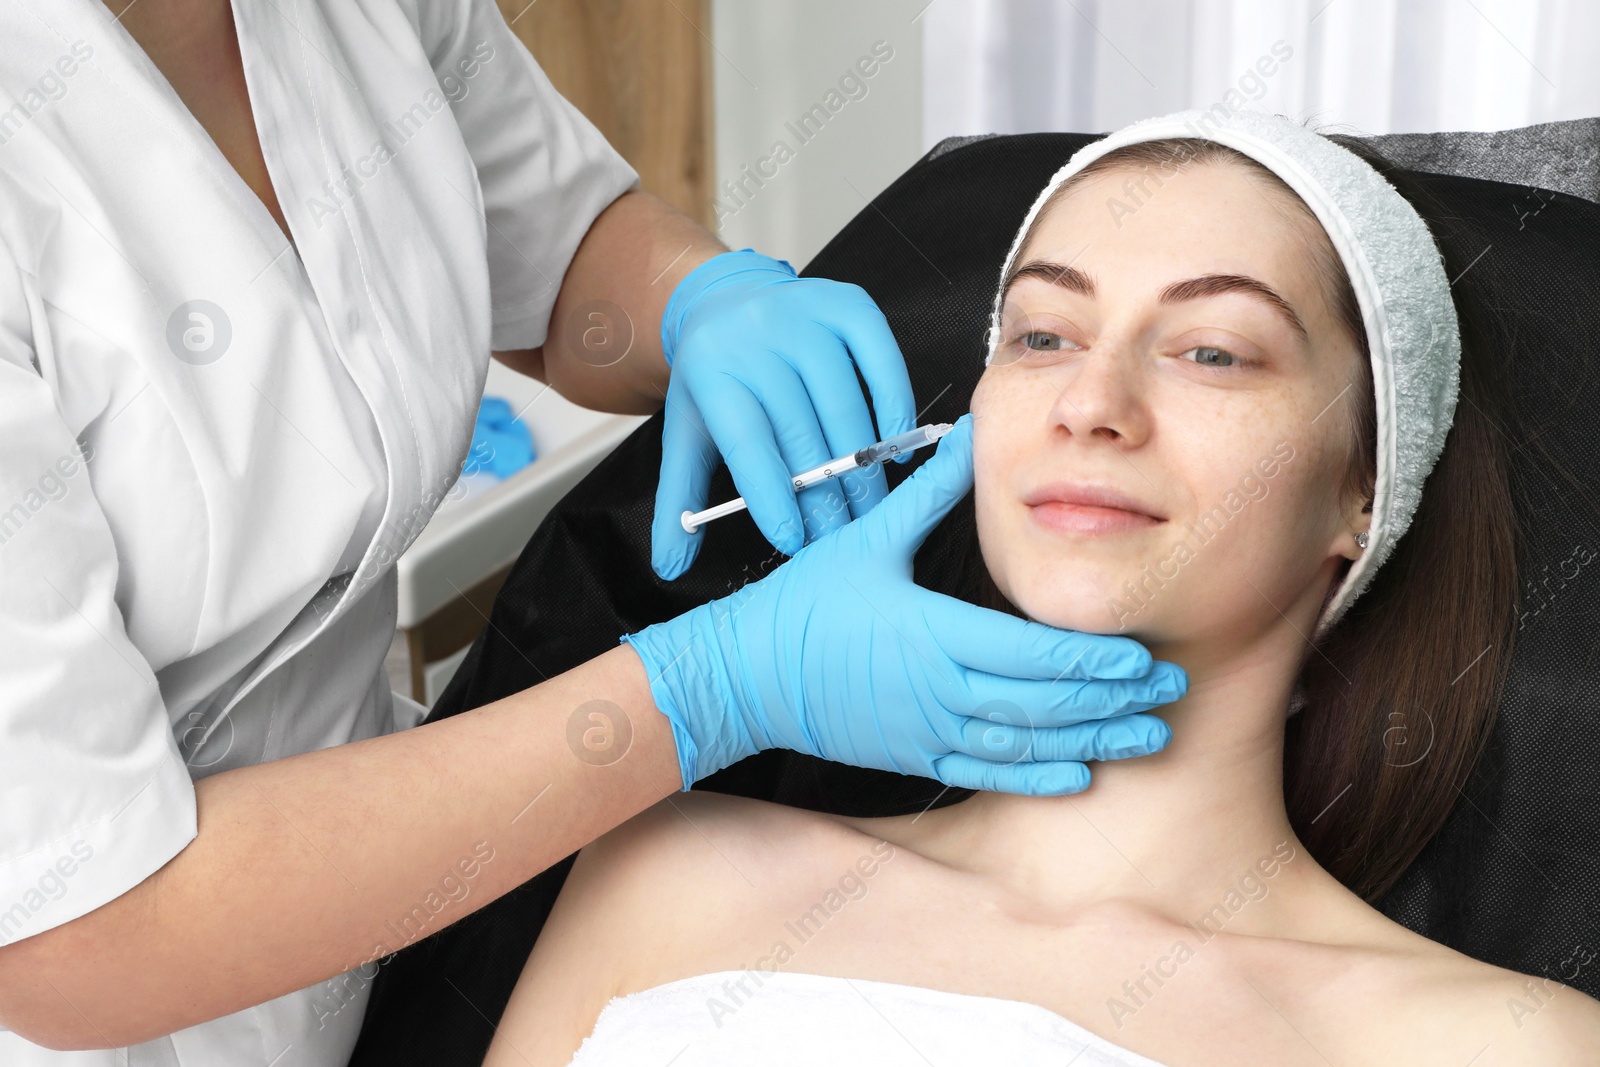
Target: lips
{"points": [[1085, 508]]}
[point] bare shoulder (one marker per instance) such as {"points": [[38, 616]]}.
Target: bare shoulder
{"points": [[700, 841], [667, 894], [709, 861], [1496, 1016], [1527, 1019]]}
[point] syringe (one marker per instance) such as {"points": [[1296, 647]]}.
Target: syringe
{"points": [[884, 450]]}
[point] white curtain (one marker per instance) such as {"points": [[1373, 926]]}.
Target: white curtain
{"points": [[1357, 66]]}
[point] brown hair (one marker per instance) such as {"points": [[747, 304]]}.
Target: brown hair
{"points": [[1402, 692]]}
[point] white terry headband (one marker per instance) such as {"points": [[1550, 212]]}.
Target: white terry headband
{"points": [[1399, 280]]}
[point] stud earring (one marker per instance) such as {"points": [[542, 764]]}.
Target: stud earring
{"points": [[1361, 539]]}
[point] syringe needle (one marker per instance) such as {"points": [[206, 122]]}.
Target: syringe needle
{"points": [[883, 450]]}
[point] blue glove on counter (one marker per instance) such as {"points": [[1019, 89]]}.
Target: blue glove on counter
{"points": [[501, 442], [839, 654], [764, 373]]}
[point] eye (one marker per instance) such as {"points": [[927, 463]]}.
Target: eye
{"points": [[1041, 341], [1036, 347], [1217, 358]]}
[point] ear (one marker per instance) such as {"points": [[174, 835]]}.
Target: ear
{"points": [[1358, 522]]}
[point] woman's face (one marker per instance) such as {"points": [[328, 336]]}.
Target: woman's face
{"points": [[1130, 364]]}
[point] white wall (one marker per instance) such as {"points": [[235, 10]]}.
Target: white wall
{"points": [[1006, 66], [1358, 66], [786, 190]]}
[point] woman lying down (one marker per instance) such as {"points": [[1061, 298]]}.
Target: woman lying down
{"points": [[1217, 380]]}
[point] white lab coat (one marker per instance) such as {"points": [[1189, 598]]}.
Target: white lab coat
{"points": [[201, 503]]}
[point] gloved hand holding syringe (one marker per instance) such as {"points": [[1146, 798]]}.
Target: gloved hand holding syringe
{"points": [[884, 450]]}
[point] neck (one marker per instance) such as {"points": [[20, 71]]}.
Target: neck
{"points": [[1177, 831]]}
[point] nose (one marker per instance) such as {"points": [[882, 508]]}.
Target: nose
{"points": [[1104, 394]]}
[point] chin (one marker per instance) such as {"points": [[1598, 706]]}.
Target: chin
{"points": [[1075, 598]]}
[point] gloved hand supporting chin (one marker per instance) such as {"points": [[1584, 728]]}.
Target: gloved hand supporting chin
{"points": [[839, 654]]}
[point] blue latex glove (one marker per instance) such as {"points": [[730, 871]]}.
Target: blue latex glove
{"points": [[763, 373], [839, 654], [501, 442]]}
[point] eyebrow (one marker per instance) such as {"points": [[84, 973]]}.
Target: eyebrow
{"points": [[1074, 280]]}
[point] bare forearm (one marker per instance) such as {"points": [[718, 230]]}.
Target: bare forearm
{"points": [[306, 867], [611, 302]]}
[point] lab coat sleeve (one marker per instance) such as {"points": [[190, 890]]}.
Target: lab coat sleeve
{"points": [[94, 794], [544, 169]]}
